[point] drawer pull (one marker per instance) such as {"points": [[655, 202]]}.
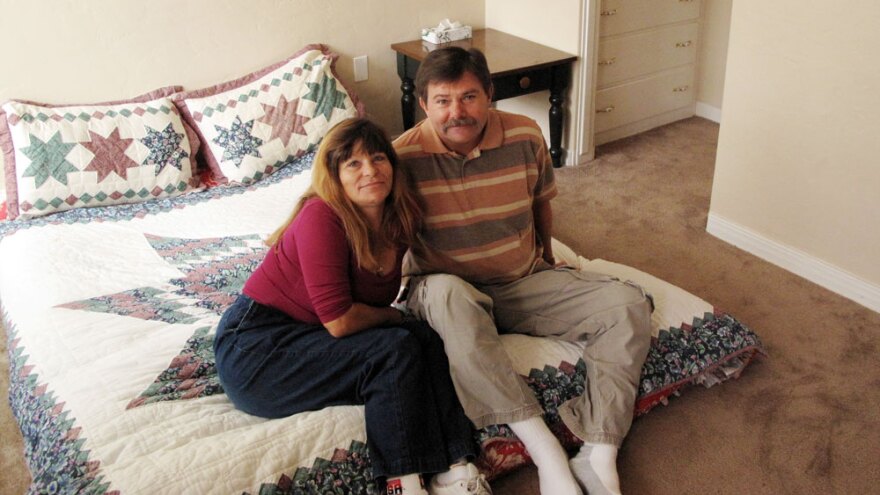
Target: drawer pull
{"points": [[607, 13], [608, 109], [685, 1], [680, 89], [683, 44], [610, 61], [525, 82]]}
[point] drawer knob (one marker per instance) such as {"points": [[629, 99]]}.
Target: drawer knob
{"points": [[607, 13], [525, 82], [680, 89], [683, 44], [608, 109], [610, 61]]}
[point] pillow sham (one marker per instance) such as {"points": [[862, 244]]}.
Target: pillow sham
{"points": [[61, 157], [254, 125]]}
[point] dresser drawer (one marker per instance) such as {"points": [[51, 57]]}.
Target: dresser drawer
{"points": [[637, 100], [646, 52], [621, 16]]}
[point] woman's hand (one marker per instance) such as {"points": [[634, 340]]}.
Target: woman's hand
{"points": [[362, 316]]}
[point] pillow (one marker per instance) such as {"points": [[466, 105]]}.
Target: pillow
{"points": [[60, 157], [254, 125]]}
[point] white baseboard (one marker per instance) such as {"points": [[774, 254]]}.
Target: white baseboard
{"points": [[708, 112], [811, 268]]}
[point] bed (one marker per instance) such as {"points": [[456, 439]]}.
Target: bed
{"points": [[140, 228]]}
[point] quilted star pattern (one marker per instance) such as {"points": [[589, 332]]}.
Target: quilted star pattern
{"points": [[347, 471], [48, 159], [284, 120], [191, 373], [295, 101], [237, 141], [124, 212], [164, 148], [69, 157], [146, 303], [710, 347], [110, 155], [214, 270], [326, 97], [688, 353], [706, 351]]}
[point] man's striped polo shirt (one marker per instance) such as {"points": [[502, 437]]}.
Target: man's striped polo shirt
{"points": [[480, 225]]}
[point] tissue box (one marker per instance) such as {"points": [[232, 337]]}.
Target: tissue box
{"points": [[436, 35]]}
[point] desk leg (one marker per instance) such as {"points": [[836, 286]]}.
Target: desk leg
{"points": [[559, 80], [556, 128], [408, 102]]}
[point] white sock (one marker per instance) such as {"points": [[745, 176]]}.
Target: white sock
{"points": [[554, 474], [595, 467], [408, 484], [457, 471]]}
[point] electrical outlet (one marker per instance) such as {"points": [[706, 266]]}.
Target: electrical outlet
{"points": [[361, 68]]}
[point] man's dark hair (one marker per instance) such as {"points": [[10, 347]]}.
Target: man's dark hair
{"points": [[448, 64]]}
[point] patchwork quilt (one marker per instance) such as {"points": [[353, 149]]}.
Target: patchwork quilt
{"points": [[110, 313]]}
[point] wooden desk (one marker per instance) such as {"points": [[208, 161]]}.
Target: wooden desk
{"points": [[518, 67]]}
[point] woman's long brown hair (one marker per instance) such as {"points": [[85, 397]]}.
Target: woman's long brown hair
{"points": [[403, 212]]}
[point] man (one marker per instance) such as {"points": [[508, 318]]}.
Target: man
{"points": [[485, 263]]}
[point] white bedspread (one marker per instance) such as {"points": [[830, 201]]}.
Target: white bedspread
{"points": [[96, 310]]}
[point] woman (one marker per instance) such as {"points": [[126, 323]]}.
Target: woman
{"points": [[314, 327]]}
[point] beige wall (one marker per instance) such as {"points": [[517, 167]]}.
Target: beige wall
{"points": [[557, 25], [713, 52], [798, 163], [554, 24], [92, 50]]}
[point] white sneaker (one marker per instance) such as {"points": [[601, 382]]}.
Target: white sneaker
{"points": [[474, 484]]}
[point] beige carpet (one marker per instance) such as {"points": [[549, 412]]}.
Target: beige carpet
{"points": [[804, 421]]}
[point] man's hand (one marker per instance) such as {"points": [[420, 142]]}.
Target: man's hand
{"points": [[552, 262]]}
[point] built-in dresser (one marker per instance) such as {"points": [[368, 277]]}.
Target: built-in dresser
{"points": [[646, 65]]}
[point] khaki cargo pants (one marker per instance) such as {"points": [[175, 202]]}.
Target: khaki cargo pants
{"points": [[611, 317]]}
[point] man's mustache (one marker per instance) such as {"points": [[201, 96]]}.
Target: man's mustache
{"points": [[459, 122]]}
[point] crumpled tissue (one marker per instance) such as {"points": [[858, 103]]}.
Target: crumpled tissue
{"points": [[446, 31]]}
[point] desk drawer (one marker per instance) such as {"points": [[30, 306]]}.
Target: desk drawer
{"points": [[621, 16], [521, 83], [650, 51], [637, 100]]}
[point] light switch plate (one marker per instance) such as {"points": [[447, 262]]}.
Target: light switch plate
{"points": [[361, 70]]}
